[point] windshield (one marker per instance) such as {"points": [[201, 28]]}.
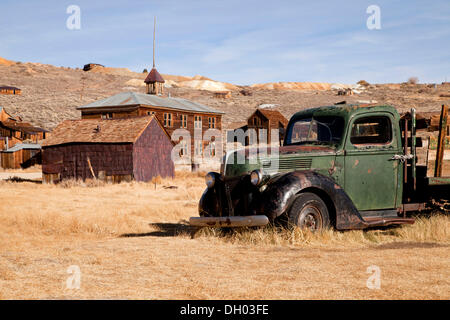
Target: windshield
{"points": [[316, 130]]}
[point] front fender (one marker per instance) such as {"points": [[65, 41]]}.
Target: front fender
{"points": [[281, 191]]}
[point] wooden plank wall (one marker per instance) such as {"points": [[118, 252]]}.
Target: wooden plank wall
{"points": [[12, 160], [431, 158], [152, 154], [70, 160]]}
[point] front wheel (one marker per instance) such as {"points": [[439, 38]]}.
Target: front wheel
{"points": [[308, 211]]}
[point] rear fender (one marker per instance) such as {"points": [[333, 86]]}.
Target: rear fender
{"points": [[281, 191]]}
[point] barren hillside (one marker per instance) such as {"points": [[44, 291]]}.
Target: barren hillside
{"points": [[50, 94]]}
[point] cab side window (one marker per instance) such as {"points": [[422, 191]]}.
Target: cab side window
{"points": [[371, 130]]}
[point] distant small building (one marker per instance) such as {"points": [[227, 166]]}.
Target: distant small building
{"points": [[222, 94], [21, 130], [136, 148], [266, 119], [4, 115], [19, 142], [89, 66], [21, 155], [10, 90]]}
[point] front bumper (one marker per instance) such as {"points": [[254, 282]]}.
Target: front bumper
{"points": [[234, 221]]}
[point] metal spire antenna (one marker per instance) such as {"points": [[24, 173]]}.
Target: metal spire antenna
{"points": [[154, 32]]}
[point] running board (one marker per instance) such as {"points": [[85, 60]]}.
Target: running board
{"points": [[387, 221]]}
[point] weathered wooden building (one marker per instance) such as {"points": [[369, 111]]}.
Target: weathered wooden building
{"points": [[4, 115], [21, 155], [222, 94], [19, 142], [112, 150], [172, 113], [22, 131], [266, 119], [89, 66], [10, 90]]}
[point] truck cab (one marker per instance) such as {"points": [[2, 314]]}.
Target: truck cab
{"points": [[340, 166]]}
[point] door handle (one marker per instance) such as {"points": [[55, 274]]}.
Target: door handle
{"points": [[402, 157]]}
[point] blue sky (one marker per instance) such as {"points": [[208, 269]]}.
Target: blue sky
{"points": [[242, 42]]}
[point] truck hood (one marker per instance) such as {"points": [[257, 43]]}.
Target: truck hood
{"points": [[245, 160]]}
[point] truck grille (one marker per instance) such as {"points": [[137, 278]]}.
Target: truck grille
{"points": [[291, 164]]}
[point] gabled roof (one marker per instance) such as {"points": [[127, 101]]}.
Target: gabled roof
{"points": [[154, 76], [135, 99], [272, 115], [99, 131], [21, 126], [20, 146], [9, 88]]}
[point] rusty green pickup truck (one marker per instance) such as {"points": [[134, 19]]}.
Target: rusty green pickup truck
{"points": [[342, 166]]}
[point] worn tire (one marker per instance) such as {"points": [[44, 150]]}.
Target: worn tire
{"points": [[309, 211]]}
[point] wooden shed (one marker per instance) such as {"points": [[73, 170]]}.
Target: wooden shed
{"points": [[10, 90], [22, 130], [266, 119], [112, 150], [21, 155], [222, 94]]}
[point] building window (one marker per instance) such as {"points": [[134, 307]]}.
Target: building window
{"points": [[183, 121], [183, 148], [108, 115], [198, 122], [198, 148], [211, 122], [167, 120], [212, 148], [150, 113]]}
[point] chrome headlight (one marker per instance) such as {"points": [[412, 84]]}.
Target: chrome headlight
{"points": [[256, 177], [210, 179]]}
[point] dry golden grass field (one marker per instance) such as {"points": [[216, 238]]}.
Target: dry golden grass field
{"points": [[131, 240]]}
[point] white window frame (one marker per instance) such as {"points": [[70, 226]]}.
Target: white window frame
{"points": [[197, 122], [198, 148], [168, 120], [212, 122], [184, 121]]}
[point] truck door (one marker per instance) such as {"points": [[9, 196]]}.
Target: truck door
{"points": [[371, 176]]}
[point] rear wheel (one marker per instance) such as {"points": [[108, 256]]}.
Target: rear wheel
{"points": [[309, 211]]}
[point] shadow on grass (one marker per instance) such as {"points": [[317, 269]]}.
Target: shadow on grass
{"points": [[18, 179], [165, 230]]}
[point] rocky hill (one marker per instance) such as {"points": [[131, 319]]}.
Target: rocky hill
{"points": [[51, 94]]}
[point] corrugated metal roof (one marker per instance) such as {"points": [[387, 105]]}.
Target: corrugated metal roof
{"points": [[135, 98], [21, 146], [98, 131]]}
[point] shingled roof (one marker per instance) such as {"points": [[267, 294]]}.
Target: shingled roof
{"points": [[99, 131], [154, 76], [135, 99], [273, 115]]}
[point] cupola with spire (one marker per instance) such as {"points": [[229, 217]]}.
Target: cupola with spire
{"points": [[154, 80]]}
